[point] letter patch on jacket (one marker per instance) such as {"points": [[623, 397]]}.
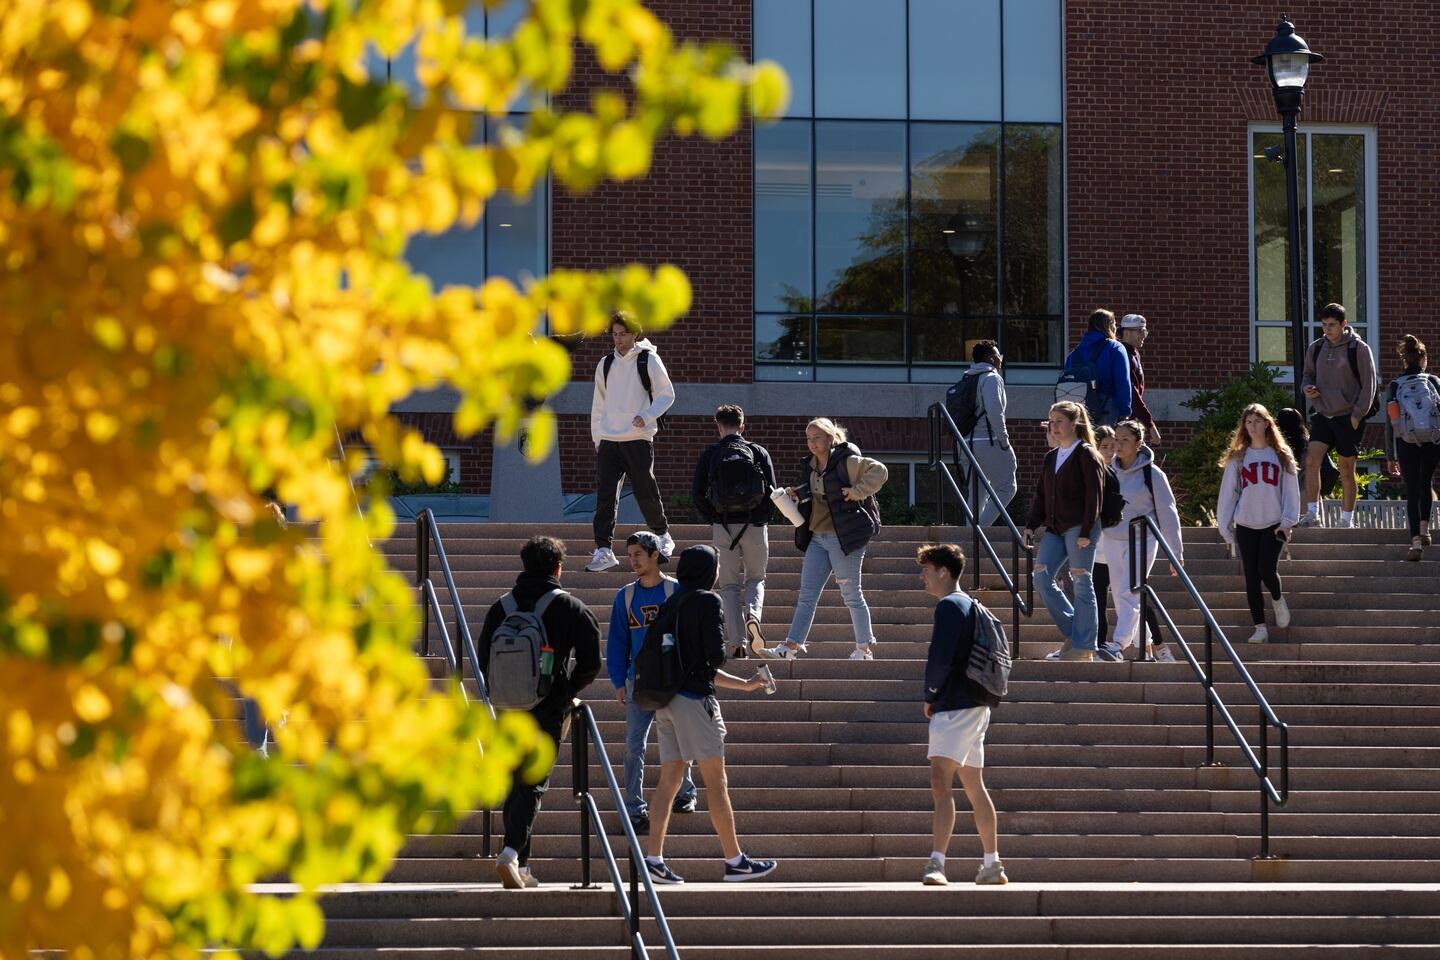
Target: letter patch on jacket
{"points": [[648, 611], [1255, 473]]}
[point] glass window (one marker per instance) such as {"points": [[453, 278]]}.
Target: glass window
{"points": [[782, 34], [783, 277], [949, 340], [955, 59], [1033, 220], [783, 339], [860, 217], [954, 222], [1336, 218], [1034, 56], [860, 58], [860, 339]]}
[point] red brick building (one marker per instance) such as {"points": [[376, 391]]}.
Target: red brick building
{"points": [[952, 171]]}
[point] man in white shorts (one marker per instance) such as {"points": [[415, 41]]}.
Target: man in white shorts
{"points": [[959, 713], [690, 725]]}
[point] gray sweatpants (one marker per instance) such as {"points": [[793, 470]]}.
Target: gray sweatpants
{"points": [[745, 565], [999, 466]]}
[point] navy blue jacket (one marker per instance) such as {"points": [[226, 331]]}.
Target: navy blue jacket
{"points": [[946, 685]]}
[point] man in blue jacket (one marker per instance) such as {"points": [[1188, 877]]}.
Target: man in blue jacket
{"points": [[959, 714], [1110, 364], [634, 609]]}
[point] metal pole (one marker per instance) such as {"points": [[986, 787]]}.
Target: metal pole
{"points": [[422, 573], [975, 515], [1209, 697], [580, 773], [1144, 585], [489, 832], [1264, 793], [1297, 296], [634, 896]]}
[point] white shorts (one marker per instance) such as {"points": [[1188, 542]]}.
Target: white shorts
{"points": [[959, 735]]}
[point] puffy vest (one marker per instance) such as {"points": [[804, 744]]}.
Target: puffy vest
{"points": [[855, 523]]}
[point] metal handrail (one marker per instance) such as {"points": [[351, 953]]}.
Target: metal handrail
{"points": [[940, 423], [1139, 582], [583, 732], [427, 535]]}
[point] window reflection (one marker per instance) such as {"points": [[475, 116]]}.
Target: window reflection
{"points": [[783, 339], [860, 217], [782, 217], [954, 194], [1337, 202], [860, 339], [860, 58], [955, 60], [782, 34], [1033, 220], [1034, 54]]}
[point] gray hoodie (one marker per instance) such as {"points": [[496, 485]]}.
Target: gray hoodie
{"points": [[1328, 369], [989, 407], [1256, 491], [1139, 502]]}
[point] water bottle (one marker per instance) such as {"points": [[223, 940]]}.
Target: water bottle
{"points": [[667, 642], [764, 673], [547, 670]]}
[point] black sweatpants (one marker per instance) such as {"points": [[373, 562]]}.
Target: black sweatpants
{"points": [[523, 802], [1417, 467], [614, 461], [1260, 558]]}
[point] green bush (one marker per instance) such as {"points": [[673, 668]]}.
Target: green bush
{"points": [[897, 511], [1197, 475]]}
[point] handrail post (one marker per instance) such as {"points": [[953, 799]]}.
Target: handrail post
{"points": [[422, 573], [634, 900], [1264, 785], [1015, 601], [975, 515], [1137, 561], [580, 774], [1209, 696]]}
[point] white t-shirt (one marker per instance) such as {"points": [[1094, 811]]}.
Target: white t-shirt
{"points": [[1063, 453]]}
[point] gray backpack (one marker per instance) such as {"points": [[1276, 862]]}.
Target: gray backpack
{"points": [[518, 676], [989, 663]]}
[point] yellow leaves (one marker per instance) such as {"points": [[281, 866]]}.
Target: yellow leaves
{"points": [[769, 90], [101, 426], [627, 152], [103, 558], [90, 703]]}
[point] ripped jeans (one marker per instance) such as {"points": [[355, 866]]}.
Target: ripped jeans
{"points": [[823, 557], [1077, 623]]}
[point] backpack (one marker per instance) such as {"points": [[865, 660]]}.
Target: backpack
{"points": [[737, 479], [662, 665], [1112, 505], [522, 662], [989, 663], [1419, 409], [1351, 354], [1080, 383], [960, 403], [642, 367]]}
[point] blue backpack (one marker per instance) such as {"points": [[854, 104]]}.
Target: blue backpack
{"points": [[1080, 383]]}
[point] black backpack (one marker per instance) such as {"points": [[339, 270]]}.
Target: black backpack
{"points": [[1112, 506], [664, 661], [642, 367], [960, 403], [1351, 354], [737, 479]]}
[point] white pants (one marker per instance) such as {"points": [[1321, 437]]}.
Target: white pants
{"points": [[1116, 551]]}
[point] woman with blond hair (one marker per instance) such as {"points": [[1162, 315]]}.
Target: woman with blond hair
{"points": [[837, 495], [1259, 504], [1067, 504]]}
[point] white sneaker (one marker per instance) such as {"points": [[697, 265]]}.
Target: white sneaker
{"points": [[935, 874], [1260, 635], [603, 559], [667, 545], [507, 869], [1345, 523], [1059, 652], [1163, 654], [862, 653], [1309, 520], [1282, 613], [528, 878], [781, 651]]}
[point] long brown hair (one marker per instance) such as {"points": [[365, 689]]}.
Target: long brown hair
{"points": [[1241, 441], [1076, 414]]}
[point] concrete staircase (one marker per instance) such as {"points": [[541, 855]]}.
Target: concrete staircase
{"points": [[1117, 840]]}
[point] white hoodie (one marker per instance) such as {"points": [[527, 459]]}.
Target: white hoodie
{"points": [[1139, 502], [615, 404], [1256, 492]]}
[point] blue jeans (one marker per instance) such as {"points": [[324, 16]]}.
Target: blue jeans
{"points": [[822, 558], [637, 734], [1077, 623]]}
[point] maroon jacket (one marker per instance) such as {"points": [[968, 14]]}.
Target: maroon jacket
{"points": [[1138, 409], [1070, 498]]}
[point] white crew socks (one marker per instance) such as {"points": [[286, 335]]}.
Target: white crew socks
{"points": [[735, 860], [1313, 509], [510, 853], [937, 855], [992, 858], [657, 861], [1347, 515]]}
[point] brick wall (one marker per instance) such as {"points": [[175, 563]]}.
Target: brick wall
{"points": [[1158, 106], [476, 453]]}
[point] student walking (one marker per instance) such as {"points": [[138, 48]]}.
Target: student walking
{"points": [[1339, 380], [1259, 504], [958, 709], [1134, 329], [632, 391], [1067, 505], [1412, 437], [1293, 429], [691, 727], [568, 627], [1097, 373], [837, 493], [731, 490], [986, 433], [1147, 492], [1100, 573], [635, 607]]}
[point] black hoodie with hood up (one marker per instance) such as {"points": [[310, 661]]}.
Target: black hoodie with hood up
{"points": [[700, 619]]}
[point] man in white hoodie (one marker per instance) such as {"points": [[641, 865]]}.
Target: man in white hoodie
{"points": [[632, 391]]}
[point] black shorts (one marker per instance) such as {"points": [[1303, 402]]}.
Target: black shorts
{"points": [[1336, 433]]}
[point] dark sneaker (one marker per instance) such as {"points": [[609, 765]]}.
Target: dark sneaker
{"points": [[661, 873], [641, 825], [748, 869], [683, 805], [754, 635], [740, 652], [1109, 656]]}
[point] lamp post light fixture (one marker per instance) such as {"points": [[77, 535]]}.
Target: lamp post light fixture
{"points": [[1287, 61]]}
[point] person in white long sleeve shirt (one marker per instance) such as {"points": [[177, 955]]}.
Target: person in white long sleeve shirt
{"points": [[1258, 505], [632, 391], [990, 441], [1147, 492]]}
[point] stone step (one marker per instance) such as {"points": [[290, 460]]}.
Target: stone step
{"points": [[943, 951]]}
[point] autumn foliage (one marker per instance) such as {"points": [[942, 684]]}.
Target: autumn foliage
{"points": [[204, 208]]}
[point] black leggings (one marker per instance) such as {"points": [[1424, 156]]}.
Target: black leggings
{"points": [[1417, 466], [1260, 556]]}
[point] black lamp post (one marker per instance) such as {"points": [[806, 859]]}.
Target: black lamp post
{"points": [[1287, 60]]}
